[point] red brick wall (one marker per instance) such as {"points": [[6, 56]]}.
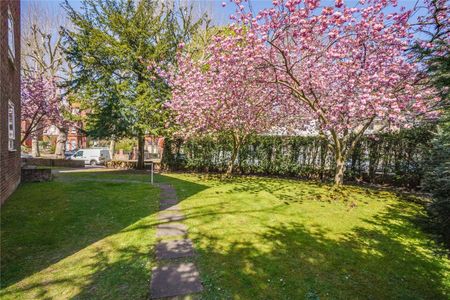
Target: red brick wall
{"points": [[10, 163]]}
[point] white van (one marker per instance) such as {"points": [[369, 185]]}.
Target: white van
{"points": [[92, 156]]}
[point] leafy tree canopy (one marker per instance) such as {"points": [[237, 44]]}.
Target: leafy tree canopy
{"points": [[110, 46]]}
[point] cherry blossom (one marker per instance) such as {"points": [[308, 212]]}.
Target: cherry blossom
{"points": [[39, 104], [225, 93], [344, 66], [343, 69]]}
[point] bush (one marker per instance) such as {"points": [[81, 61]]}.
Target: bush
{"points": [[384, 158], [125, 144], [437, 180]]}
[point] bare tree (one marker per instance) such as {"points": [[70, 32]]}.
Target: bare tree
{"points": [[41, 49]]}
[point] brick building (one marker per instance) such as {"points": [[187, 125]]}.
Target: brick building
{"points": [[10, 163], [76, 139]]}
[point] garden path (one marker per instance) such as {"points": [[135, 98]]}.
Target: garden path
{"points": [[175, 275]]}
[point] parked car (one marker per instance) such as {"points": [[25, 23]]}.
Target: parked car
{"points": [[69, 153], [92, 156]]}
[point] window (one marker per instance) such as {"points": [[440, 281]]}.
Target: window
{"points": [[11, 44], [11, 127]]}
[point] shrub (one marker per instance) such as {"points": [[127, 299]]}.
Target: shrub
{"points": [[395, 158], [437, 180]]}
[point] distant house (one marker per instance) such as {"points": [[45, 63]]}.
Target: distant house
{"points": [[153, 147], [10, 163], [75, 138]]}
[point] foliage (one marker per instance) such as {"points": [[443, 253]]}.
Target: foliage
{"points": [[40, 104], [42, 57], [437, 180], [344, 66], [433, 51], [431, 48], [125, 144], [396, 158], [224, 92], [110, 47]]}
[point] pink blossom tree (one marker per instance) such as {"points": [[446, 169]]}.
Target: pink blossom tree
{"points": [[344, 66], [223, 92], [40, 107]]}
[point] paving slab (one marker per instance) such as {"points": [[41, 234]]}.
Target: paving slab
{"points": [[168, 192], [166, 187], [170, 217], [175, 249], [168, 198], [175, 280], [171, 229], [169, 201], [167, 206]]}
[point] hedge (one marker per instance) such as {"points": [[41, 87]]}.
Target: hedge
{"points": [[394, 158]]}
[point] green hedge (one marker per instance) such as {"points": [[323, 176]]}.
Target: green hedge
{"points": [[396, 159]]}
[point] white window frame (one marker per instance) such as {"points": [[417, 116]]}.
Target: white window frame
{"points": [[11, 37], [11, 126]]}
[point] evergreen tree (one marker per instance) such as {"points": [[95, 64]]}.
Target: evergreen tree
{"points": [[109, 47], [432, 49], [437, 179]]}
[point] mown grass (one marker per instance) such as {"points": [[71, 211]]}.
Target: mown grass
{"points": [[78, 239], [281, 239], [90, 235]]}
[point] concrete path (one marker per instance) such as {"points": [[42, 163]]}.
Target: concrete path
{"points": [[173, 278]]}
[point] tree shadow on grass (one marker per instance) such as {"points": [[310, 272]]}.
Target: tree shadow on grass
{"points": [[44, 223], [124, 275], [388, 260], [292, 191]]}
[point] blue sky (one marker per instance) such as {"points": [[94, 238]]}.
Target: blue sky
{"points": [[220, 15]]}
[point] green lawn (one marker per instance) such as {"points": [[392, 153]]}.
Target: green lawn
{"points": [[80, 239], [282, 239], [89, 235]]}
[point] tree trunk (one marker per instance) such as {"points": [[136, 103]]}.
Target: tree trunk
{"points": [[340, 169], [161, 147], [140, 154], [61, 144], [234, 154], [230, 167], [112, 148], [35, 146]]}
